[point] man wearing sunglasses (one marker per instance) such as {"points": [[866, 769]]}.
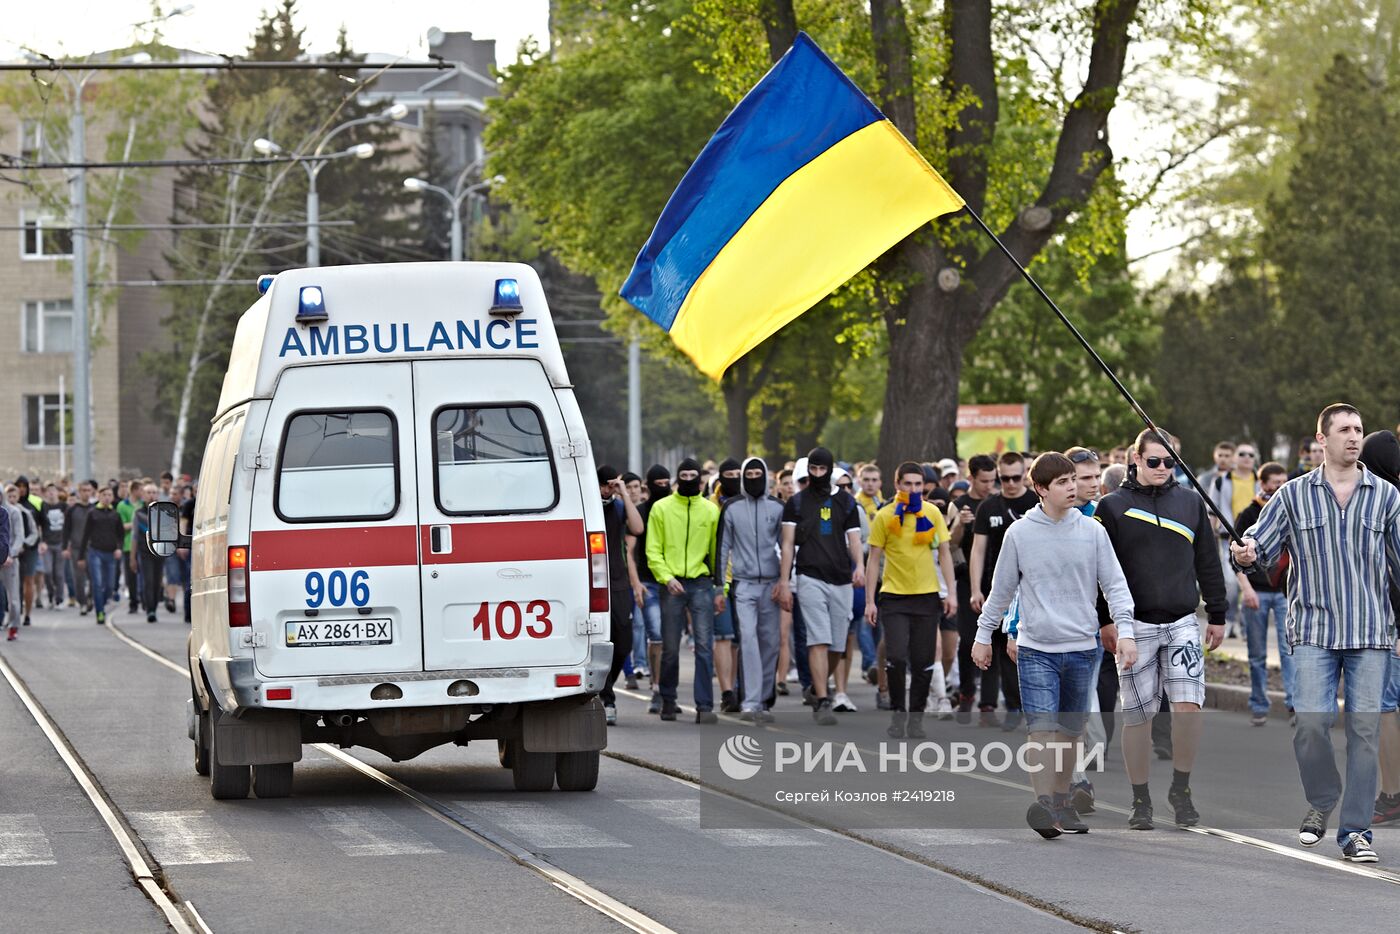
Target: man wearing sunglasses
{"points": [[1164, 540], [994, 517]]}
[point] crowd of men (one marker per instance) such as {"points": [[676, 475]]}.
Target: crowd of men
{"points": [[85, 547], [1058, 588]]}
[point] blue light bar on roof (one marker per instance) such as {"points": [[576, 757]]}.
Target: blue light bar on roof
{"points": [[311, 305], [507, 298], [265, 282]]}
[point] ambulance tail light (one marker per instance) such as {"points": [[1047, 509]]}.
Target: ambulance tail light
{"points": [[598, 572], [238, 613]]}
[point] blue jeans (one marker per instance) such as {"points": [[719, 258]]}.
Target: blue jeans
{"points": [[699, 599], [1318, 671], [1256, 633], [1055, 688], [102, 566]]}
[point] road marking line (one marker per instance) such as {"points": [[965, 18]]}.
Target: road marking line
{"points": [[565, 882], [23, 843], [140, 869], [363, 830], [685, 813], [540, 825], [187, 838]]}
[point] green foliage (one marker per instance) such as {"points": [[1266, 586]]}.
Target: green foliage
{"points": [[1332, 239], [1025, 354]]}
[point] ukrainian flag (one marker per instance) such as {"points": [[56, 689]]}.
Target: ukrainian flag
{"points": [[804, 185]]}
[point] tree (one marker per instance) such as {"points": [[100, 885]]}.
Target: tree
{"points": [[297, 109], [593, 140], [1332, 240]]}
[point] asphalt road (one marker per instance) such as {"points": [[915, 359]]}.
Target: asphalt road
{"points": [[351, 853]]}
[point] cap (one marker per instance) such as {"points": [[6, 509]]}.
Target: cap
{"points": [[799, 470], [947, 465]]}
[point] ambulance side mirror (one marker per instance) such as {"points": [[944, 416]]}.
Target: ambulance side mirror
{"points": [[163, 536]]}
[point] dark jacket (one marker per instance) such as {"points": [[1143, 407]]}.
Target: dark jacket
{"points": [[1166, 546], [104, 531]]}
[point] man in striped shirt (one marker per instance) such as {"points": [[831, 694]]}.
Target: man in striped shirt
{"points": [[1341, 526]]}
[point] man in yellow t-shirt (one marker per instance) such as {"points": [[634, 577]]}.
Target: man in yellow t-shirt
{"points": [[907, 533]]}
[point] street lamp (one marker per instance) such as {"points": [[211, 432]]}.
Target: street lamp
{"points": [[455, 199], [317, 160]]}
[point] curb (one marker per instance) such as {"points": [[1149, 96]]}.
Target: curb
{"points": [[1235, 697]]}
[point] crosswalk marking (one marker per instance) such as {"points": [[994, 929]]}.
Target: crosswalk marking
{"points": [[22, 841], [685, 812], [539, 825], [360, 830], [183, 838]]}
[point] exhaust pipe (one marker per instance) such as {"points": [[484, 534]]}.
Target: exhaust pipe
{"points": [[342, 719]]}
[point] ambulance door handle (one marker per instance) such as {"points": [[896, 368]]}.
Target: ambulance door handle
{"points": [[440, 539]]}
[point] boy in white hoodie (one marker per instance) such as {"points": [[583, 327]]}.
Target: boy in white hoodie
{"points": [[1060, 560]]}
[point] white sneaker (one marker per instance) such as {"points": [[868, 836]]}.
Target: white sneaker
{"points": [[792, 676], [945, 709], [842, 704]]}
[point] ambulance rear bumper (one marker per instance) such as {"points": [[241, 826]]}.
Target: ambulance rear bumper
{"points": [[242, 687]]}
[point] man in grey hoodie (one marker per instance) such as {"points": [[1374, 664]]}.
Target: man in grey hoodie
{"points": [[750, 529], [1060, 559]]}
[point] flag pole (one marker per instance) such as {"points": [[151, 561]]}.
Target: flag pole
{"points": [[1225, 522]]}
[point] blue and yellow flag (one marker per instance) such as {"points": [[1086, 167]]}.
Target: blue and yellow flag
{"points": [[804, 185]]}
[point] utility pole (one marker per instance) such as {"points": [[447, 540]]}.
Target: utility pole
{"points": [[634, 404], [82, 357]]}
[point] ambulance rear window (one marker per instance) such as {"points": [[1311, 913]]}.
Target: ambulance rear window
{"points": [[338, 465], [492, 459]]}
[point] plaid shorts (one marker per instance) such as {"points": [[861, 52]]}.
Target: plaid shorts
{"points": [[1170, 660]]}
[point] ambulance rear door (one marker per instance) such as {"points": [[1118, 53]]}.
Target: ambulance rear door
{"points": [[333, 556], [505, 550]]}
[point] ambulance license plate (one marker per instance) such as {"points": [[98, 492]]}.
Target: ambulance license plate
{"points": [[310, 633]]}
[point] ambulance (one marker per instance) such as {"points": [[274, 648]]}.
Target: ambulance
{"points": [[398, 539]]}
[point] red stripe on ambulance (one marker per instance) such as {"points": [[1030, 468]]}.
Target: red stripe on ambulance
{"points": [[486, 542], [371, 546]]}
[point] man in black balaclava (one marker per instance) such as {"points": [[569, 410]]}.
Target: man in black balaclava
{"points": [[620, 519], [645, 590], [681, 551], [728, 488], [822, 528]]}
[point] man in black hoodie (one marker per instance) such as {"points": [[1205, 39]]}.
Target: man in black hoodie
{"points": [[1380, 452], [1162, 535]]}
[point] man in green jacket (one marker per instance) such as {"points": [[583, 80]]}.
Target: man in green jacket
{"points": [[681, 554]]}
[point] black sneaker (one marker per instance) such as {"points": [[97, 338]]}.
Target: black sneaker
{"points": [[729, 702], [964, 714], [1186, 813], [1387, 808], [655, 705], [896, 728], [1141, 818], [706, 716], [150, 617], [1068, 819], [809, 696], [1081, 797], [26, 619], [668, 709], [1313, 828], [1162, 750], [822, 712], [1041, 816], [101, 618], [1359, 849], [1011, 721], [170, 606], [632, 682], [914, 729]]}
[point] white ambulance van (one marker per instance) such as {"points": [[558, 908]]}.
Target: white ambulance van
{"points": [[398, 541]]}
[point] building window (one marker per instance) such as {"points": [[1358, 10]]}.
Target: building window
{"points": [[44, 240], [47, 327], [42, 418]]}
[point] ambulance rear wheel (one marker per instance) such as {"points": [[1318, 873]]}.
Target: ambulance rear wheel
{"points": [[577, 771], [503, 752], [201, 745], [531, 771], [273, 780]]}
